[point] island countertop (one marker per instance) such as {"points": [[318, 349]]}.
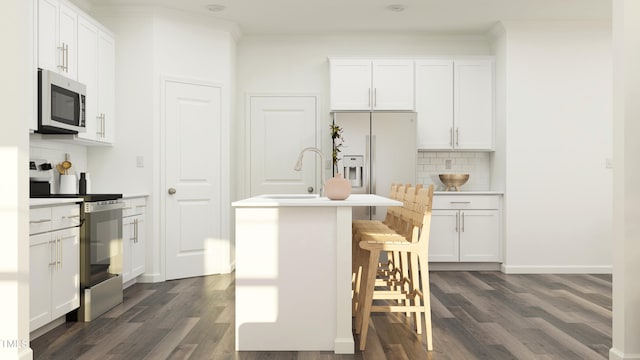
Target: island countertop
{"points": [[304, 200]]}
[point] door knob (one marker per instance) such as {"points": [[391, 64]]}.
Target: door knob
{"points": [[172, 191], [310, 189]]}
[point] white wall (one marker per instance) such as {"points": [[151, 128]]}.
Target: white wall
{"points": [[298, 64], [152, 43], [626, 76], [558, 135], [17, 94]]}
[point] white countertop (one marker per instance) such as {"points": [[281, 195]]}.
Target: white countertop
{"points": [[134, 195], [33, 202], [280, 200], [487, 192]]}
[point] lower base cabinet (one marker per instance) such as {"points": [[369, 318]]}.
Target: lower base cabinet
{"points": [[54, 273], [465, 228], [133, 246]]}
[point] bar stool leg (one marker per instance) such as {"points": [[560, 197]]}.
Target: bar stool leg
{"points": [[415, 283], [366, 296], [424, 275]]}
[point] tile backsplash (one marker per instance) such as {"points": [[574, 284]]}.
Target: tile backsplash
{"points": [[476, 164]]}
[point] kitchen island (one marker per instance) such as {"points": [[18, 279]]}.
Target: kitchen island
{"points": [[293, 272]]}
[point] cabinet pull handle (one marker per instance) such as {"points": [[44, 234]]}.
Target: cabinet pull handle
{"points": [[460, 202], [99, 127], [457, 222], [39, 221], [51, 261], [457, 137], [66, 57], [104, 127], [60, 252], [375, 97], [369, 97], [462, 222], [451, 136], [61, 65], [135, 230], [71, 217], [127, 208]]}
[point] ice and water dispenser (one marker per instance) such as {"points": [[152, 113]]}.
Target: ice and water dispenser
{"points": [[353, 169]]}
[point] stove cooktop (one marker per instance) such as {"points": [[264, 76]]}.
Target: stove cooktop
{"points": [[86, 197]]}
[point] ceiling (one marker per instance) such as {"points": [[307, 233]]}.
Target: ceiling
{"points": [[330, 16]]}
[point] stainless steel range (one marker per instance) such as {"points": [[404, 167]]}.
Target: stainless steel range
{"points": [[100, 254]]}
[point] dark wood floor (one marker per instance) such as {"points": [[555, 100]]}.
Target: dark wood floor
{"points": [[476, 315]]}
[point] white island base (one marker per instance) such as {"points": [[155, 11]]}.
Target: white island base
{"points": [[293, 272]]}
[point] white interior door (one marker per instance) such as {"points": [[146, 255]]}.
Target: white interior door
{"points": [[280, 127], [192, 178]]}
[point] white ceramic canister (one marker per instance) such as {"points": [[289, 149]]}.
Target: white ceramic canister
{"points": [[67, 184]]}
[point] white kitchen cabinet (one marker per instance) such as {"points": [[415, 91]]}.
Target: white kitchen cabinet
{"points": [[363, 84], [465, 228], [54, 267], [57, 37], [455, 104], [133, 234], [106, 86], [75, 45], [96, 70]]}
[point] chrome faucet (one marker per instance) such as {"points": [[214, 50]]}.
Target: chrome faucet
{"points": [[298, 166]]}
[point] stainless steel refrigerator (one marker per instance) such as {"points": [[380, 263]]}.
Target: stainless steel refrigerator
{"points": [[378, 149]]}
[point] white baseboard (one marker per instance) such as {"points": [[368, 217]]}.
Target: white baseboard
{"points": [[150, 278], [129, 283], [548, 269], [456, 266], [615, 354], [25, 354]]}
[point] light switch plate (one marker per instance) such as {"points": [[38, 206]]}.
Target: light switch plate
{"points": [[609, 163], [140, 161]]}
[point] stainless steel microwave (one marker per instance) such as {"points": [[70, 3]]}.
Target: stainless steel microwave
{"points": [[61, 104]]}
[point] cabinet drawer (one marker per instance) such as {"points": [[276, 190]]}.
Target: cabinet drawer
{"points": [[40, 220], [65, 216], [134, 206], [454, 202]]}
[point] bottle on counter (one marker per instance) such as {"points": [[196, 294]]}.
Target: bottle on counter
{"points": [[88, 179], [82, 184]]}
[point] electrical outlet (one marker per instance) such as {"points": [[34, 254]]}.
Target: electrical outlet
{"points": [[140, 161], [447, 164]]}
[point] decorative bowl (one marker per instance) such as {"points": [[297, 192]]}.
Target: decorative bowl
{"points": [[453, 181]]}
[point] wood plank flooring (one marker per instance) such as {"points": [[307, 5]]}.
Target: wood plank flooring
{"points": [[476, 315]]}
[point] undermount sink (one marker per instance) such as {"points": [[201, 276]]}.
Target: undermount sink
{"points": [[290, 196]]}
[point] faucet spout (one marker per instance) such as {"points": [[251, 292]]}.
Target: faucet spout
{"points": [[298, 165]]}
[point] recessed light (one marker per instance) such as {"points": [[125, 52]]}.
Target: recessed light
{"points": [[396, 7], [215, 7]]}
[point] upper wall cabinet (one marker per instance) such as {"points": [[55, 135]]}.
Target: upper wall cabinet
{"points": [[361, 84], [75, 45], [455, 104], [57, 38], [96, 70]]}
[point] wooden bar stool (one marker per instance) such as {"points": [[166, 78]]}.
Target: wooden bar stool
{"points": [[392, 221], [413, 246]]}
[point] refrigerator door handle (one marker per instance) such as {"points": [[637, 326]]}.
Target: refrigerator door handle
{"points": [[367, 165], [373, 164], [373, 170]]}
